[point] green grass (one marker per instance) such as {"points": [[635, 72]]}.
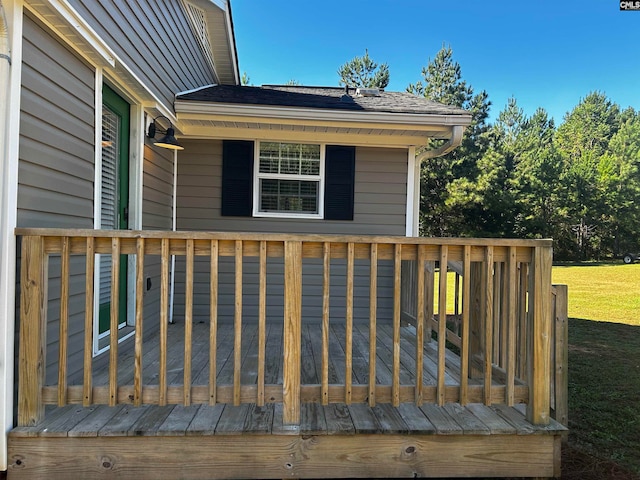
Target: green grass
{"points": [[604, 360], [602, 292]]}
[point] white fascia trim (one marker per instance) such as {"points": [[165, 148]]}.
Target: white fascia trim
{"points": [[296, 113], [196, 89], [232, 47], [221, 4], [83, 29]]}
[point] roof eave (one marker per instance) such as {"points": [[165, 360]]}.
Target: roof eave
{"points": [[188, 108]]}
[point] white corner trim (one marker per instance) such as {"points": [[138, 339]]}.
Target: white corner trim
{"points": [[413, 194], [10, 86], [97, 174]]}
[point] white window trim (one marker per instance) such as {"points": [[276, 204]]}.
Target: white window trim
{"points": [[257, 176]]}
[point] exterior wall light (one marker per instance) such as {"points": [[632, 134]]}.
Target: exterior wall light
{"points": [[168, 140]]}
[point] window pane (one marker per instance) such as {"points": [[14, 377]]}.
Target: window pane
{"points": [[288, 196]]}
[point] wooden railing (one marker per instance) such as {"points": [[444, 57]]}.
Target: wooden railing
{"points": [[502, 346]]}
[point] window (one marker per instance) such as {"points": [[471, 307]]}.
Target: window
{"points": [[289, 179], [317, 182]]}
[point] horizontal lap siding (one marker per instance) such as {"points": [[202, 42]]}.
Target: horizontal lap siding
{"points": [[155, 41], [157, 206], [380, 195], [56, 167], [380, 208]]}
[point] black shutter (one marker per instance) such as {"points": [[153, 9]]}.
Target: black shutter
{"points": [[339, 179], [237, 178]]}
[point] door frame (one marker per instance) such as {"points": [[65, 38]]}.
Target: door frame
{"points": [[135, 137]]}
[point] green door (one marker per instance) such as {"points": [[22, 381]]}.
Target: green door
{"points": [[114, 198]]}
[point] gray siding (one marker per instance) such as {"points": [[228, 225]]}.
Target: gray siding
{"points": [[157, 205], [380, 208], [154, 39], [56, 167], [380, 195], [157, 188]]}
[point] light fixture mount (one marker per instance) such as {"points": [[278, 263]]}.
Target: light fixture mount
{"points": [[168, 139]]}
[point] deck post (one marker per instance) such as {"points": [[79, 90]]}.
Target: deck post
{"points": [[33, 319], [561, 343], [539, 344], [292, 332]]}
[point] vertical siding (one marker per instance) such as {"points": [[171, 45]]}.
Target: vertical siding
{"points": [[154, 39], [56, 165], [380, 209]]}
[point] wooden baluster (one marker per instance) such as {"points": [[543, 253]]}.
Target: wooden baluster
{"points": [[213, 319], [511, 285], [420, 324], [503, 294], [262, 321], [397, 286], [87, 383], [497, 314], [523, 321], [561, 356], [465, 327], [326, 275], [115, 320], [456, 300], [237, 325], [442, 325], [487, 318], [33, 333], [348, 348], [429, 294], [63, 340], [292, 332], [164, 320], [373, 319], [137, 366], [188, 323]]}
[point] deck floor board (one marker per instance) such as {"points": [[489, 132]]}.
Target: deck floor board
{"points": [[250, 418]]}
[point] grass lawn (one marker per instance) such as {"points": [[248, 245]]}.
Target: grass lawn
{"points": [[604, 360], [602, 292]]}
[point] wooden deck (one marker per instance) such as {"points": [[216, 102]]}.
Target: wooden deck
{"points": [[349, 385], [251, 441]]}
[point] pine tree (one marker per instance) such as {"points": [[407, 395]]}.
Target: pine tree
{"points": [[364, 72], [442, 82]]}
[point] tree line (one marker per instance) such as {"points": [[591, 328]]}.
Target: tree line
{"points": [[522, 176]]}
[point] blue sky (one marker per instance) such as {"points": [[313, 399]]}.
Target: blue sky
{"points": [[545, 53]]}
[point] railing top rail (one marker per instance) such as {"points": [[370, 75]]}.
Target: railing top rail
{"points": [[280, 237]]}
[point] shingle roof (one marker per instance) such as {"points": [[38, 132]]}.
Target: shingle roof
{"points": [[333, 98]]}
